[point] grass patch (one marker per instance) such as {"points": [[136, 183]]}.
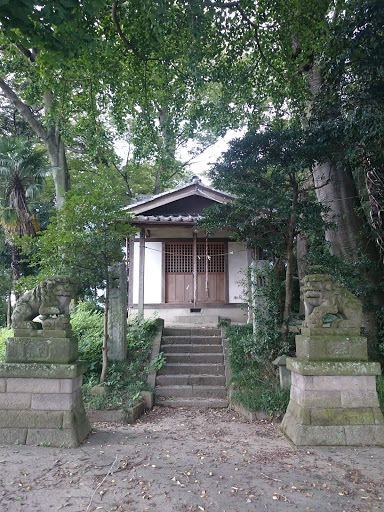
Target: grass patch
{"points": [[125, 380], [272, 400], [4, 335], [254, 378]]}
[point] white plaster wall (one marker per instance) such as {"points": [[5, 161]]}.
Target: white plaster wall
{"points": [[152, 272], [237, 262]]}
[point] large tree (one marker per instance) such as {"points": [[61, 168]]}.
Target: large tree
{"points": [[268, 172], [80, 75], [84, 239]]}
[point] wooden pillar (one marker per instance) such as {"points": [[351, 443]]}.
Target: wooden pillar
{"points": [[194, 258], [130, 267], [206, 268], [140, 306]]}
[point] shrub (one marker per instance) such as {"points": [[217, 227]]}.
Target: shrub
{"points": [[124, 379], [4, 335], [88, 324], [253, 376]]}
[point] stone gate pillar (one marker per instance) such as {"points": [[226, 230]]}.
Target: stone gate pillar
{"points": [[333, 393], [40, 381]]}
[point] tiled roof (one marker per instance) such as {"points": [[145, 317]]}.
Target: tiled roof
{"points": [[167, 218], [196, 187]]}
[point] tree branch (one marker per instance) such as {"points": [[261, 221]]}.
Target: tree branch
{"points": [[30, 54], [129, 46], [257, 40], [24, 110]]}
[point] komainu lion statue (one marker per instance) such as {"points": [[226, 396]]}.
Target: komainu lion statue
{"points": [[50, 299], [323, 296]]}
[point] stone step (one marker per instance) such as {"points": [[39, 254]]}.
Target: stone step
{"points": [[188, 331], [190, 380], [198, 403], [197, 319], [195, 369], [169, 392], [187, 340], [192, 349], [172, 358]]}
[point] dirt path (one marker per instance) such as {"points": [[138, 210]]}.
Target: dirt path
{"points": [[190, 461]]}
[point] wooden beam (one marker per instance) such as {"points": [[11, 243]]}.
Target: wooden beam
{"points": [[140, 306]]}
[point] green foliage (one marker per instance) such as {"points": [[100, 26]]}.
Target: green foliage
{"points": [[380, 390], [22, 169], [4, 335], [276, 159], [85, 236], [124, 380], [272, 400], [88, 324], [253, 376], [159, 362], [266, 300]]}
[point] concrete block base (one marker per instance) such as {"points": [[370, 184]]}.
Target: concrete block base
{"points": [[42, 411]]}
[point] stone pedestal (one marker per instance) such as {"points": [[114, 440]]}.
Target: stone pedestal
{"points": [[40, 389], [333, 393]]}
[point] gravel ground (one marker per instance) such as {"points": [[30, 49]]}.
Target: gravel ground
{"points": [[189, 461]]}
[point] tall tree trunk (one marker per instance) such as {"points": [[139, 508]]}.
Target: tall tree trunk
{"points": [[351, 240], [289, 266], [336, 189], [57, 157], [341, 197], [105, 335], [51, 139]]}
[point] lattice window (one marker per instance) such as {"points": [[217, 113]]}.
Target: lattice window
{"points": [[179, 257], [215, 257]]}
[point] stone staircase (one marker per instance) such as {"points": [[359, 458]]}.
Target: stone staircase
{"points": [[194, 375]]}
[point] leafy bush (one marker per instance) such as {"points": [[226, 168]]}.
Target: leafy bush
{"points": [[124, 379], [88, 325], [253, 377], [4, 335], [267, 342]]}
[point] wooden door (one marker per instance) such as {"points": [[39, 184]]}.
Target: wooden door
{"points": [[210, 267]]}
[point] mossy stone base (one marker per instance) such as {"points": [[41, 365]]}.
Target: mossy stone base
{"points": [[41, 350], [333, 402], [334, 410], [309, 367], [42, 404], [356, 435], [43, 371], [328, 348]]}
